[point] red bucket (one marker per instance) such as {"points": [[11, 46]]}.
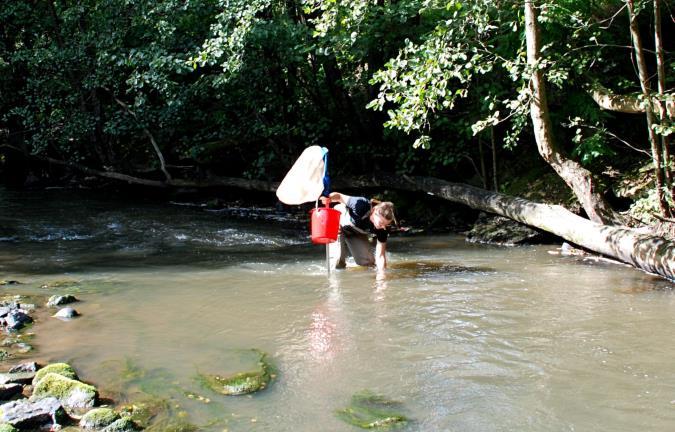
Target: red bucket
{"points": [[325, 223]]}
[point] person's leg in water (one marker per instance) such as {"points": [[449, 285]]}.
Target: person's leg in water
{"points": [[337, 252], [354, 242], [360, 247]]}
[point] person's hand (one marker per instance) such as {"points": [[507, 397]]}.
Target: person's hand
{"points": [[325, 201]]}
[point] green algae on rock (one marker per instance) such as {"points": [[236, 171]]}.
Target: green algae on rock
{"points": [[71, 393], [125, 424], [372, 411], [98, 418], [242, 382], [147, 411], [65, 283], [6, 427], [173, 425], [63, 369], [157, 415]]}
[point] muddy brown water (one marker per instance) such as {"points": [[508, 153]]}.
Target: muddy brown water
{"points": [[469, 337]]}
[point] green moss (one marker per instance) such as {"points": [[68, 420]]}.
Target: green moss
{"points": [[5, 427], [158, 415], [242, 382], [372, 411], [4, 354], [63, 369], [98, 418], [65, 283], [173, 425], [70, 392], [124, 424], [146, 411]]}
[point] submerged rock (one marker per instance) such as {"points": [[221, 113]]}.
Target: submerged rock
{"points": [[124, 424], [63, 369], [242, 382], [98, 418], [66, 313], [146, 411], [58, 300], [60, 284], [372, 411], [10, 282], [28, 413], [71, 393]]}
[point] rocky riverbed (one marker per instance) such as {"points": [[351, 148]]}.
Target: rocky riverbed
{"points": [[50, 396]]}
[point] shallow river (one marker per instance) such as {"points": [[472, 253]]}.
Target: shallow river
{"points": [[468, 337]]}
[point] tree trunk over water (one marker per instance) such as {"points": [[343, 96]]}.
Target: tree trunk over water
{"points": [[650, 253], [579, 179]]}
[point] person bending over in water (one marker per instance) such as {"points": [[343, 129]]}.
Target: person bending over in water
{"points": [[361, 218]]}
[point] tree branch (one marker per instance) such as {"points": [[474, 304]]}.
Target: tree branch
{"points": [[625, 103], [146, 132]]}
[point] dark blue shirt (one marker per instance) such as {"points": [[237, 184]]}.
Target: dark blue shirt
{"points": [[359, 210]]}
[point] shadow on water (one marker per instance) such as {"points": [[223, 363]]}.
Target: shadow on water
{"points": [[425, 269]]}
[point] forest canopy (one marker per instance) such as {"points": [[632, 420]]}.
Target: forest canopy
{"points": [[198, 88]]}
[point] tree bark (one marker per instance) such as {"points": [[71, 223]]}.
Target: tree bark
{"points": [[579, 179], [657, 152], [661, 78], [629, 104], [493, 143]]}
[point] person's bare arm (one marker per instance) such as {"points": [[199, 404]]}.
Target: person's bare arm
{"points": [[336, 197], [381, 256]]}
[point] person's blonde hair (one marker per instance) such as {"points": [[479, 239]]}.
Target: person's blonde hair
{"points": [[385, 210]]}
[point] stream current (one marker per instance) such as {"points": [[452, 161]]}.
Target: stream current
{"points": [[468, 337]]}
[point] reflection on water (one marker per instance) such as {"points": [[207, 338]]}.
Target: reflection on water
{"points": [[469, 337]]}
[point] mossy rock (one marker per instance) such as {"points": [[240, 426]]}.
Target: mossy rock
{"points": [[98, 418], [6, 427], [125, 424], [242, 382], [157, 415], [372, 411], [173, 425], [71, 393], [147, 411], [63, 369]]}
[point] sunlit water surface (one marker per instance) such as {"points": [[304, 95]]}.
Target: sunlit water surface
{"points": [[469, 337]]}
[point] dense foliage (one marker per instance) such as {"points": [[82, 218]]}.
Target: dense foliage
{"points": [[239, 87]]}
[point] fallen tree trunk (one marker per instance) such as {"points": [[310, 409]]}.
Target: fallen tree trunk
{"points": [[650, 253]]}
